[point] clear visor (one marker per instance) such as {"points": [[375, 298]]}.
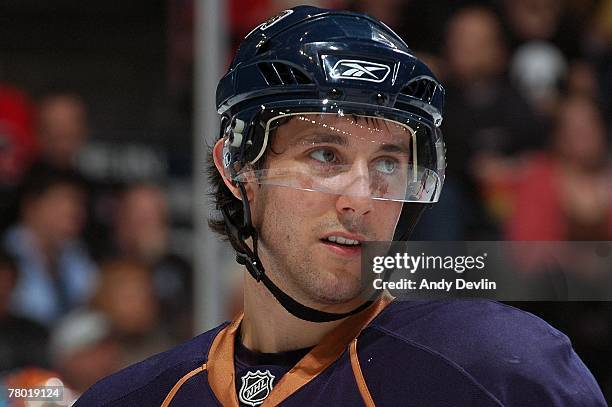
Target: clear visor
{"points": [[350, 154]]}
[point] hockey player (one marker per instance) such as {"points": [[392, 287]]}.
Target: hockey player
{"points": [[330, 136]]}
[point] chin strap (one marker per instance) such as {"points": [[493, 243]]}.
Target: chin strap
{"points": [[409, 217], [250, 259]]}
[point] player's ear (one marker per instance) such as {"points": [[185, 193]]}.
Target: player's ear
{"points": [[218, 159]]}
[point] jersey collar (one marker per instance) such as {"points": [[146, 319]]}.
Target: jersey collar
{"points": [[220, 365]]}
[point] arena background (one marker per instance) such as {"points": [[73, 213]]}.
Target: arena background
{"points": [[109, 106]]}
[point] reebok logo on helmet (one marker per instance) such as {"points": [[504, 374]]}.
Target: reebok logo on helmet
{"points": [[359, 70]]}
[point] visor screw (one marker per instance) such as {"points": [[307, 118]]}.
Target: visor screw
{"points": [[334, 94], [380, 98]]}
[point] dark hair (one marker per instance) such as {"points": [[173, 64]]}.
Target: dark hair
{"points": [[41, 177], [224, 198]]}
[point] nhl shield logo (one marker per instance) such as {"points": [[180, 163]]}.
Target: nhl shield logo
{"points": [[256, 386]]}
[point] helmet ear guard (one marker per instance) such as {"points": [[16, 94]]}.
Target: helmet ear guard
{"points": [[243, 143]]}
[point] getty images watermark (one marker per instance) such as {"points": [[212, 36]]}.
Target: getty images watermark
{"points": [[407, 263], [500, 270]]}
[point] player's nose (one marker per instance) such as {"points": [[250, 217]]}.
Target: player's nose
{"points": [[355, 195]]}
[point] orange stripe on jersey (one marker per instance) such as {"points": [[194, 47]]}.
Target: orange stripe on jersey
{"points": [[221, 375], [182, 381], [361, 383]]}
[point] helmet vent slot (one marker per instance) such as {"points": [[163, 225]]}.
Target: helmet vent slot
{"points": [[277, 73], [421, 88]]}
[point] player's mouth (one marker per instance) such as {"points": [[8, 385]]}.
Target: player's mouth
{"points": [[343, 244]]}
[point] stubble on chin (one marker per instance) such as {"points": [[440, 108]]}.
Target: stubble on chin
{"points": [[295, 261], [307, 275], [340, 288]]}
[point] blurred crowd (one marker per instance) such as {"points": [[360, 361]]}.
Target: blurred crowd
{"points": [[88, 282], [526, 123]]}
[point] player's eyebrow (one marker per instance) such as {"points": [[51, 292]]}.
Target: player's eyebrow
{"points": [[402, 147], [325, 138]]}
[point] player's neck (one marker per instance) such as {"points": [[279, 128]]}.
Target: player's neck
{"points": [[268, 328]]}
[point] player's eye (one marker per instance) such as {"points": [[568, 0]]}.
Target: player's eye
{"points": [[386, 165], [324, 155]]}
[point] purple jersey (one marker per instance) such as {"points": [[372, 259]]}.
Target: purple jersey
{"points": [[420, 353]]}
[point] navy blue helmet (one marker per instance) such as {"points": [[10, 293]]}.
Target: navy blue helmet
{"points": [[307, 53], [311, 60]]}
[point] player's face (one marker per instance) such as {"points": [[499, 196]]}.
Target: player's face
{"points": [[296, 224]]}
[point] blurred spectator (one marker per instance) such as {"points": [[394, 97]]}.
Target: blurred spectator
{"points": [[474, 47], [22, 341], [83, 349], [17, 143], [62, 132], [62, 129], [582, 80], [126, 295], [142, 233], [141, 227], [566, 192], [537, 69], [55, 272], [17, 147], [486, 125], [544, 35], [542, 20]]}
